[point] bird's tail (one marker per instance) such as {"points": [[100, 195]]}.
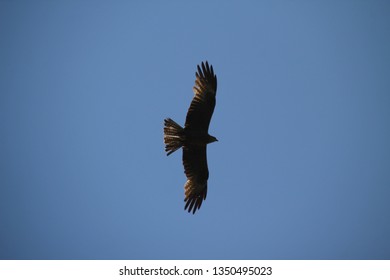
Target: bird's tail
{"points": [[173, 136]]}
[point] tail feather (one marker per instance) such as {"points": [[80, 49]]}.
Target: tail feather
{"points": [[173, 136]]}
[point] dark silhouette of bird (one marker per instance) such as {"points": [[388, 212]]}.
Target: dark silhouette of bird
{"points": [[194, 137]]}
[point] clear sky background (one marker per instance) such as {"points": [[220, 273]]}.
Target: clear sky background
{"points": [[302, 166]]}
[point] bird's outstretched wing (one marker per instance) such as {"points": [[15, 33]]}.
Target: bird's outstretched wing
{"points": [[195, 168], [202, 105], [194, 195]]}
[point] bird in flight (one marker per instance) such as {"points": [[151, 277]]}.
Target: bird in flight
{"points": [[194, 137]]}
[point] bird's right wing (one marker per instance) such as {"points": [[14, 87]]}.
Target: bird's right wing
{"points": [[202, 106]]}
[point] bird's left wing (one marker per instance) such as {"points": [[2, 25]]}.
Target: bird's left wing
{"points": [[196, 170]]}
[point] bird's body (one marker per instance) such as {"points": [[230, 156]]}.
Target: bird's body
{"points": [[194, 137]]}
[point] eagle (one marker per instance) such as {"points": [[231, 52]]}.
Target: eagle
{"points": [[194, 137]]}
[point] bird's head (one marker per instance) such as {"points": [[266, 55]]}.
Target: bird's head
{"points": [[212, 139]]}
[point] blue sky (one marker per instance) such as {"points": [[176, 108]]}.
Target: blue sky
{"points": [[301, 169]]}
